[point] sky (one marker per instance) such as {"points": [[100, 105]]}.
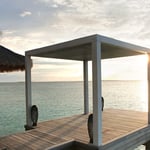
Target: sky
{"points": [[30, 24]]}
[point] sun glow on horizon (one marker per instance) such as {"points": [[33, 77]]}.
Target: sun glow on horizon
{"points": [[125, 68], [144, 96]]}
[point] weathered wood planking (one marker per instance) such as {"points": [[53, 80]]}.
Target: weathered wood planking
{"points": [[117, 124]]}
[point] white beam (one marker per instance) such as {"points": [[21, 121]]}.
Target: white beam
{"points": [[86, 95], [148, 76], [97, 104], [28, 65]]}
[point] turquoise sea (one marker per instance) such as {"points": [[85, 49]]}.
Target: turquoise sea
{"points": [[59, 99]]}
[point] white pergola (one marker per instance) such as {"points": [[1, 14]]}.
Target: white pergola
{"points": [[92, 48]]}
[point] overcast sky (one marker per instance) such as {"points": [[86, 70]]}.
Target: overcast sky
{"points": [[29, 24]]}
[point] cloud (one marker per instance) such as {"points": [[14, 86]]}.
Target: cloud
{"points": [[20, 44], [52, 19], [45, 22], [54, 62], [1, 33], [25, 13]]}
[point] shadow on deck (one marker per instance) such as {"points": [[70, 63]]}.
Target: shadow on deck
{"points": [[122, 129], [74, 145]]}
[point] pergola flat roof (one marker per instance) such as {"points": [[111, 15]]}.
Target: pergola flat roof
{"points": [[81, 49]]}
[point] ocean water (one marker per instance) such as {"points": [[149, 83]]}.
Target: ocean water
{"points": [[59, 99]]}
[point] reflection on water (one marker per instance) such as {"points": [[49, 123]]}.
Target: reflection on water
{"points": [[57, 99]]}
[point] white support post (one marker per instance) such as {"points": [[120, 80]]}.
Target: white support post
{"points": [[86, 96], [148, 76], [28, 65], [97, 113]]}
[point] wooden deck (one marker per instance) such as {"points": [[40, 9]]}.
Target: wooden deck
{"points": [[117, 124]]}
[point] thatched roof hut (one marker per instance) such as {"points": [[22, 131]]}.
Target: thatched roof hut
{"points": [[10, 61]]}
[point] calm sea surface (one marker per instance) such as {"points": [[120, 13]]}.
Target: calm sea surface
{"points": [[57, 99]]}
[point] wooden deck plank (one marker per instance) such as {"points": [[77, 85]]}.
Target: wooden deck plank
{"points": [[14, 143], [116, 124], [48, 137]]}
